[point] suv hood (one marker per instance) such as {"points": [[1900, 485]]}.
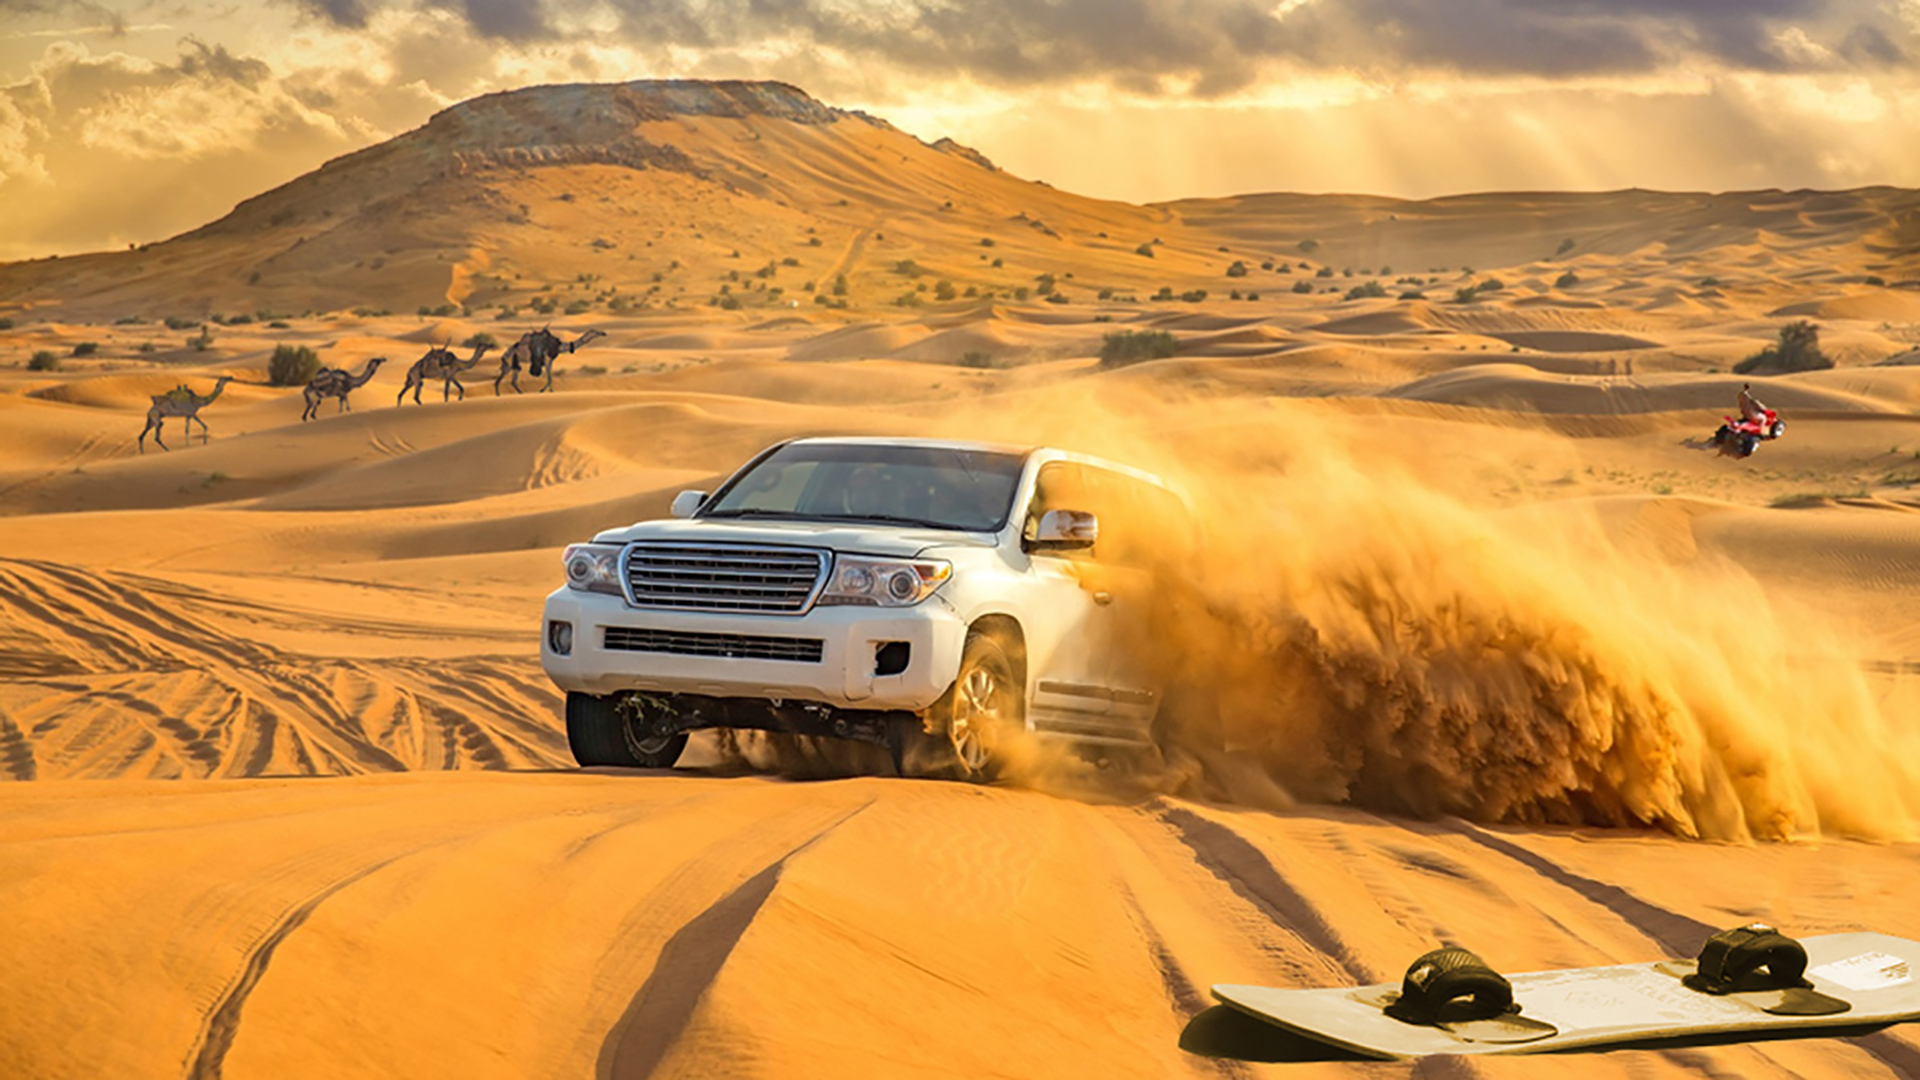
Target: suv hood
{"points": [[835, 535]]}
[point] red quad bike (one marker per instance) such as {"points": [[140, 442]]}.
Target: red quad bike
{"points": [[1738, 438]]}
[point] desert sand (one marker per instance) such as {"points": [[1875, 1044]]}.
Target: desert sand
{"points": [[1504, 654]]}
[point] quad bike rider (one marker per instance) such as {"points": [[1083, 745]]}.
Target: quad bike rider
{"points": [[1739, 438]]}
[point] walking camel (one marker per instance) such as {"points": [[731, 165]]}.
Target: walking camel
{"points": [[182, 402], [538, 350], [336, 382], [439, 363]]}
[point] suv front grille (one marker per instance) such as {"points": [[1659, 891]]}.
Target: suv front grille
{"points": [[732, 646], [724, 577]]}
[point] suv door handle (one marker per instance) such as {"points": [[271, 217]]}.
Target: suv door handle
{"points": [[1102, 596]]}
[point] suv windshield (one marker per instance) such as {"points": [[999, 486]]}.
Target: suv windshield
{"points": [[935, 487]]}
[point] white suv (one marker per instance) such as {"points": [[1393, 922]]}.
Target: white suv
{"points": [[897, 591]]}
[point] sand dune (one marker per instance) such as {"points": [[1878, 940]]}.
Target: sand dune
{"points": [[1501, 650]]}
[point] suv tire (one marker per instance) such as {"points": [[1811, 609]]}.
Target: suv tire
{"points": [[983, 710], [599, 732]]}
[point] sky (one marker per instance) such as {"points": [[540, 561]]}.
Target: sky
{"points": [[128, 121]]}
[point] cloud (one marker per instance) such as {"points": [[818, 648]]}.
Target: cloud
{"points": [[1209, 48], [94, 148]]}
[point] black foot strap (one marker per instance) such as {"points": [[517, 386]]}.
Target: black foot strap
{"points": [[1752, 957], [1451, 984], [1765, 965]]}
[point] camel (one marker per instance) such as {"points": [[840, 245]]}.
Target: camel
{"points": [[182, 402], [439, 363], [538, 350], [336, 382]]}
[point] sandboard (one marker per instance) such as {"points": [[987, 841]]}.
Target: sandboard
{"points": [[1873, 975]]}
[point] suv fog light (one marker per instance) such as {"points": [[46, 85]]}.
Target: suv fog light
{"points": [[890, 657], [560, 637]]}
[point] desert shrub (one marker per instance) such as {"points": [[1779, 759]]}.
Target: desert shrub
{"points": [[1308, 247], [813, 241], [7, 324], [86, 348], [840, 285], [1144, 249], [1365, 291], [1413, 294], [1253, 296], [1385, 270], [945, 291], [600, 243], [292, 365], [727, 302], [1020, 292], [1325, 271], [1132, 347], [1709, 282], [481, 338], [44, 360], [1194, 296], [978, 358], [1491, 285], [1466, 295], [1565, 246], [1798, 349], [1238, 269], [789, 261], [1283, 268], [201, 341], [591, 369], [241, 319], [1106, 294], [124, 320], [1165, 293], [145, 347], [1567, 280], [277, 325], [1303, 286], [175, 322], [907, 299], [1056, 298], [1876, 279], [578, 307], [908, 268], [440, 312]]}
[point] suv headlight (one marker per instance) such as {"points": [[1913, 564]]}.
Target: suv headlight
{"points": [[884, 582], [594, 568]]}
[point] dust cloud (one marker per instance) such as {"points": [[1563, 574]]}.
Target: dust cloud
{"points": [[1351, 631]]}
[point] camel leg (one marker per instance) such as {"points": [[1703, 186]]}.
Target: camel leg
{"points": [[455, 383], [344, 407], [143, 435], [194, 418]]}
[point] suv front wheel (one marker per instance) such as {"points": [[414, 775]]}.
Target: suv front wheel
{"points": [[600, 732], [982, 712]]}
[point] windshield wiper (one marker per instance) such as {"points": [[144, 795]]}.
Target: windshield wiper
{"points": [[756, 513], [896, 519]]}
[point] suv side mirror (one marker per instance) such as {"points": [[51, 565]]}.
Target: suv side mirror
{"points": [[1063, 529], [685, 503]]}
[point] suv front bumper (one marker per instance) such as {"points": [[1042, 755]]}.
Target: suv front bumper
{"points": [[846, 673]]}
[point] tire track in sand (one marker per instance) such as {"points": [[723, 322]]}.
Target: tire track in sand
{"points": [[689, 962]]}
